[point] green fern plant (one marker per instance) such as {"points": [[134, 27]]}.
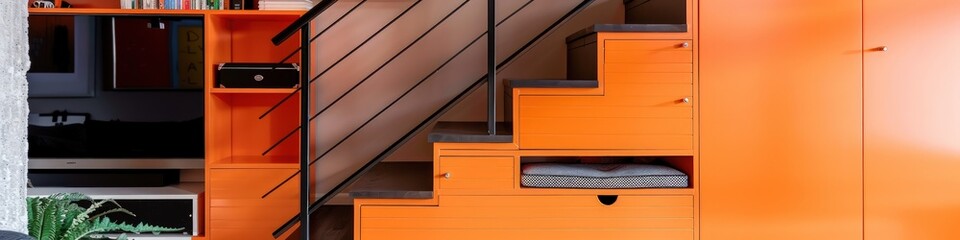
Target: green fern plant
{"points": [[58, 217]]}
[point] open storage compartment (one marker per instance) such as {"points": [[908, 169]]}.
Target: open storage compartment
{"points": [[240, 137], [660, 172]]}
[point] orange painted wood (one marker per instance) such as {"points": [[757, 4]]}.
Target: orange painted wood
{"points": [[649, 67], [476, 172], [551, 234], [911, 120], [475, 217], [644, 83], [236, 206], [594, 141], [780, 114], [680, 112], [664, 78], [246, 183], [251, 136], [251, 90], [676, 92], [411, 223], [601, 126], [605, 101]]}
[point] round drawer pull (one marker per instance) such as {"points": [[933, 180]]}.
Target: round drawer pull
{"points": [[607, 199], [446, 175], [685, 100], [685, 45]]}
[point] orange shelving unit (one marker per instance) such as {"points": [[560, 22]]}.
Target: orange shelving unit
{"points": [[238, 166]]}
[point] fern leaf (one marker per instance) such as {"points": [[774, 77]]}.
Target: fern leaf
{"points": [[34, 219], [77, 232], [50, 215], [143, 227], [115, 210], [71, 212]]}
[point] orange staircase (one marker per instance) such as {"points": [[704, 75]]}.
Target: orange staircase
{"points": [[637, 101]]}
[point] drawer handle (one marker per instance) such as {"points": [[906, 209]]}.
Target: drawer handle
{"points": [[446, 175], [684, 45], [685, 100], [607, 199]]}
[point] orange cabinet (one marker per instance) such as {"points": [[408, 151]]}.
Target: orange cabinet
{"points": [[911, 119], [781, 119], [533, 217], [477, 173], [237, 209], [646, 103]]}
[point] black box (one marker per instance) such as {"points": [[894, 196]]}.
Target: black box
{"points": [[258, 75]]}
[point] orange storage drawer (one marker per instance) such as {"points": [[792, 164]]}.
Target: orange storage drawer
{"points": [[533, 217], [476, 172], [238, 209], [647, 103]]}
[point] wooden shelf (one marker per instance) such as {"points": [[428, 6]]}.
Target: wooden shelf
{"points": [[256, 162], [252, 90], [161, 12]]}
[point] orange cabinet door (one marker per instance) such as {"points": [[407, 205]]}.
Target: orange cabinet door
{"points": [[781, 125], [533, 217], [647, 85], [912, 119]]}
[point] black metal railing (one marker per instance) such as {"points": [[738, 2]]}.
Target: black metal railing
{"points": [[302, 25]]}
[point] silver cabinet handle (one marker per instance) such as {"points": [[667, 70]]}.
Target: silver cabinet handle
{"points": [[685, 45], [883, 48], [446, 175], [685, 100]]}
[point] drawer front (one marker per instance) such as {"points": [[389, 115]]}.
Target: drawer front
{"points": [[476, 172], [647, 103], [533, 217], [238, 209]]}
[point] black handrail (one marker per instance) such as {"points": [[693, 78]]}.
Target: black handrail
{"points": [[302, 22], [432, 118]]}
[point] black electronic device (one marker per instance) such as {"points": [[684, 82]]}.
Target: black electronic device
{"points": [[258, 75]]}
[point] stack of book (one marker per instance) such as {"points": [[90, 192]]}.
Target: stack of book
{"points": [[285, 4], [174, 4]]}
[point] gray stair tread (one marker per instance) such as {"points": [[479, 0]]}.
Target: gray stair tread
{"points": [[627, 28], [557, 83], [392, 194], [410, 180], [470, 132]]}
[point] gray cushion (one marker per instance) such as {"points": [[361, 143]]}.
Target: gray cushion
{"points": [[606, 176]]}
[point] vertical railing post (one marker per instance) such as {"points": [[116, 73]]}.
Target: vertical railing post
{"points": [[492, 67], [305, 132]]}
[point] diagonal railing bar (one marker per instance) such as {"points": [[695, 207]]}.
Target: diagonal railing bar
{"points": [[285, 98], [422, 80], [314, 38], [385, 64], [432, 118]]}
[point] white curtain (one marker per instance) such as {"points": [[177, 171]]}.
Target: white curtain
{"points": [[14, 63]]}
